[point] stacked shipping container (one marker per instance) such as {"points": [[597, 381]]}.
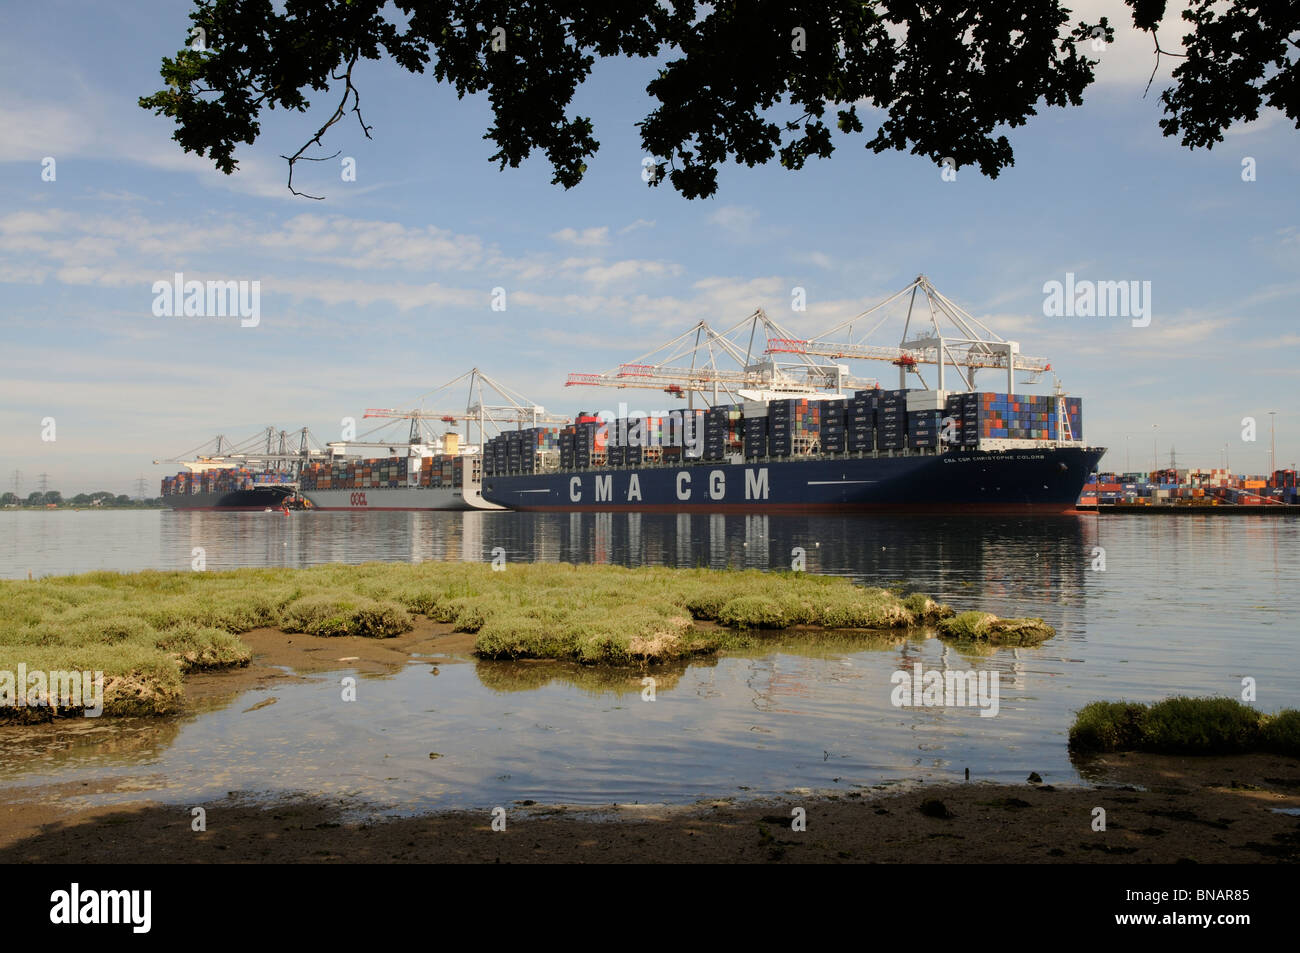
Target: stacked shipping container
{"points": [[871, 420], [360, 474], [723, 431], [860, 422], [794, 426], [225, 480]]}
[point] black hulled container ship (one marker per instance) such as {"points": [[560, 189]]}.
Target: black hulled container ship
{"points": [[228, 488]]}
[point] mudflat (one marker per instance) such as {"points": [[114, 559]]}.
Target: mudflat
{"points": [[1159, 809]]}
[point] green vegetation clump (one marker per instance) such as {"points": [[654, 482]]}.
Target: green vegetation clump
{"points": [[1107, 726], [145, 630], [1183, 725], [758, 612], [330, 615], [1200, 726], [986, 627], [1281, 733]]}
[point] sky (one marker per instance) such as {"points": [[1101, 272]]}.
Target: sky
{"points": [[384, 290]]}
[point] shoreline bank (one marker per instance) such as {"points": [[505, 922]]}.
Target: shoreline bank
{"points": [[1159, 809]]}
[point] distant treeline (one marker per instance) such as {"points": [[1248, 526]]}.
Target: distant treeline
{"points": [[55, 498]]}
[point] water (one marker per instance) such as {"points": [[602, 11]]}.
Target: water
{"points": [[1188, 605]]}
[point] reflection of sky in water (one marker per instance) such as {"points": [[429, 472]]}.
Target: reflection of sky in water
{"points": [[1186, 605], [768, 723]]}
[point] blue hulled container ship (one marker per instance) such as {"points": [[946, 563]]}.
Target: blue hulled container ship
{"points": [[1012, 481], [879, 450]]}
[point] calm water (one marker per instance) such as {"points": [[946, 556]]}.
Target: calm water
{"points": [[1184, 605]]}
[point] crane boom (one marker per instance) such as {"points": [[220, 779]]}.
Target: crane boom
{"points": [[719, 362], [951, 336]]}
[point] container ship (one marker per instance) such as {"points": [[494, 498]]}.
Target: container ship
{"points": [[805, 436], [424, 470], [258, 473], [430, 471], [444, 476], [439, 476], [878, 450], [215, 487]]}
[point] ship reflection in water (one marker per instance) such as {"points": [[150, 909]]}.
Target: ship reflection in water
{"points": [[1041, 558]]}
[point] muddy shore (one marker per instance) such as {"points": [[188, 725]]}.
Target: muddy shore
{"points": [[1159, 809]]}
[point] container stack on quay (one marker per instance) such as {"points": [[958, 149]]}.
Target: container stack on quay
{"points": [[1212, 487]]}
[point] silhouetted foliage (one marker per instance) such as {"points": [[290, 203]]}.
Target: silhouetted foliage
{"points": [[750, 82]]}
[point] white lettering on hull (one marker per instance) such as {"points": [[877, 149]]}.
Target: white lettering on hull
{"points": [[757, 486]]}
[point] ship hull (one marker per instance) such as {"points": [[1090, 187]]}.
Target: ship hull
{"points": [[370, 499], [258, 498], [1044, 481]]}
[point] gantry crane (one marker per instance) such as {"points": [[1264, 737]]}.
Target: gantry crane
{"points": [[516, 410], [965, 343], [269, 447], [719, 363]]}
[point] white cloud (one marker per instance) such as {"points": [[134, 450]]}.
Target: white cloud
{"points": [[815, 258], [1130, 58], [36, 130], [83, 123], [739, 220], [1269, 116], [628, 270], [586, 237], [370, 245]]}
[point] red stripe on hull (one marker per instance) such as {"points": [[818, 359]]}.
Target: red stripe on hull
{"points": [[222, 509], [918, 509], [394, 509]]}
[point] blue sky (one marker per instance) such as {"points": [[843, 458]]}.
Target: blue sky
{"points": [[383, 290]]}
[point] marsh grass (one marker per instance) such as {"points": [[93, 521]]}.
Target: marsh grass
{"points": [[986, 627], [146, 629], [1183, 725]]}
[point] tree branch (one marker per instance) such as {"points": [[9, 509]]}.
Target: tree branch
{"points": [[1159, 51], [339, 112]]}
